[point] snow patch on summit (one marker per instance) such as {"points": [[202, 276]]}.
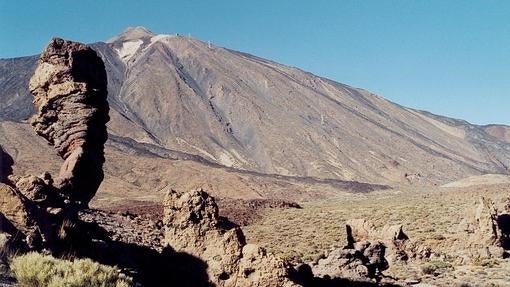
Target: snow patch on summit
{"points": [[129, 49]]}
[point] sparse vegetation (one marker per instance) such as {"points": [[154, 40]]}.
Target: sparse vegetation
{"points": [[430, 217], [435, 267], [37, 270]]}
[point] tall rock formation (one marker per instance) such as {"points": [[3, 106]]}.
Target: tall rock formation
{"points": [[70, 88]]}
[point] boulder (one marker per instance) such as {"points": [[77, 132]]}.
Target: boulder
{"points": [[32, 187], [16, 215], [399, 247], [360, 259], [359, 230], [70, 88], [192, 226], [258, 268], [488, 229]]}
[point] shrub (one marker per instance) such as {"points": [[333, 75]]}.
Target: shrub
{"points": [[428, 269], [37, 270], [486, 262], [435, 267]]}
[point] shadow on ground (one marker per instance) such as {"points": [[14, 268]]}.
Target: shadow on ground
{"points": [[145, 265], [170, 268], [503, 222], [305, 277]]}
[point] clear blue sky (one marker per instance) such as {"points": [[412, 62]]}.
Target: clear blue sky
{"points": [[447, 57]]}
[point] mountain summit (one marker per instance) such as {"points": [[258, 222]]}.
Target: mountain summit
{"points": [[251, 114], [132, 33]]}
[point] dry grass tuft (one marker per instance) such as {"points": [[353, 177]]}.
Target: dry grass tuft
{"points": [[37, 270]]}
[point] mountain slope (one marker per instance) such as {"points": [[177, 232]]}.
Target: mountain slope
{"points": [[144, 172], [248, 113]]}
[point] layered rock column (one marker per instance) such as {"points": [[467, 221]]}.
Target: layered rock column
{"points": [[70, 94], [70, 89]]}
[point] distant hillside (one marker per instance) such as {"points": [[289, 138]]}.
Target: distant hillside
{"points": [[501, 132], [486, 179], [217, 107]]}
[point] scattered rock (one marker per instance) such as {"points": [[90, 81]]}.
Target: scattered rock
{"points": [[360, 259], [399, 247]]}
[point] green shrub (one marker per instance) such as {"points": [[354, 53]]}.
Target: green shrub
{"points": [[37, 270]]}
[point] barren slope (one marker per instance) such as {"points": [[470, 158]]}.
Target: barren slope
{"points": [[135, 172], [241, 111]]}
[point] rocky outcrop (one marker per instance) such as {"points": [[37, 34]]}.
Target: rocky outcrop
{"points": [[488, 229], [192, 226], [70, 89], [15, 214], [367, 252], [363, 261], [359, 259], [5, 165], [399, 247]]}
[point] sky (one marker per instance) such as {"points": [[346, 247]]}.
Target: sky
{"points": [[447, 57]]}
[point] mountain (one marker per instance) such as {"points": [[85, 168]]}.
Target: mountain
{"points": [[186, 101], [501, 132]]}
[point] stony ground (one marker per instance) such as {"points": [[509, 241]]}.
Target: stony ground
{"points": [[430, 216]]}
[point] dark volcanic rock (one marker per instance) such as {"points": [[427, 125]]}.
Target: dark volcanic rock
{"points": [[5, 165], [70, 88]]}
